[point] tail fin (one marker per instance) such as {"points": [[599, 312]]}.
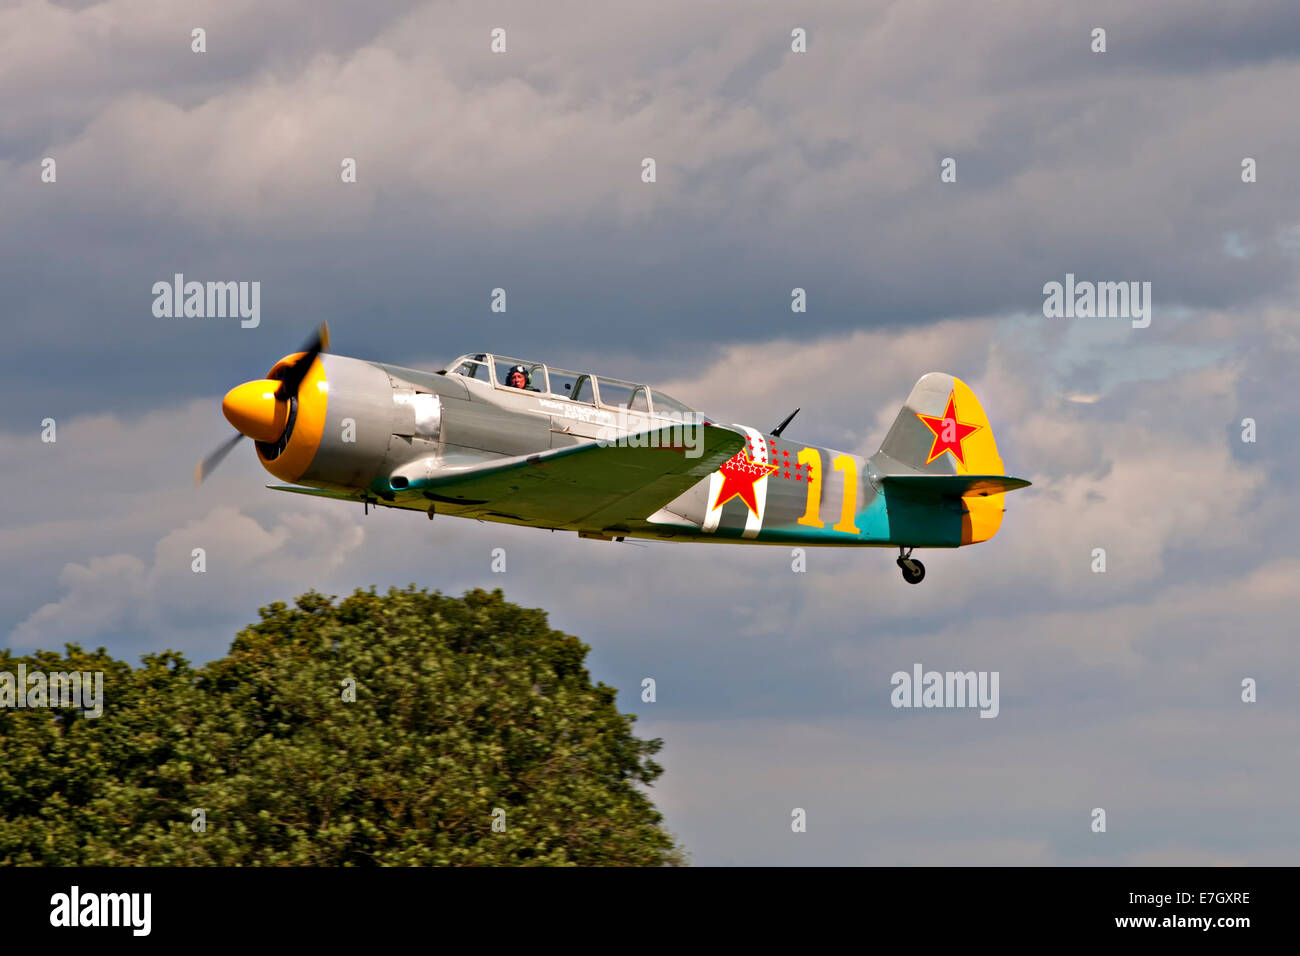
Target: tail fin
{"points": [[942, 431]]}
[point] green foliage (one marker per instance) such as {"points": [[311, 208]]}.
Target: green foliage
{"points": [[462, 706]]}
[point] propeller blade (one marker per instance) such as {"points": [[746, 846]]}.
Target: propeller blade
{"points": [[295, 373], [206, 466]]}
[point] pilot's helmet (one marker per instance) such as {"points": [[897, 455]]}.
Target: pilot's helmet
{"points": [[521, 370]]}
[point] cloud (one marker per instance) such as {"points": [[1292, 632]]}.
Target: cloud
{"points": [[100, 549], [168, 602], [522, 170], [919, 791]]}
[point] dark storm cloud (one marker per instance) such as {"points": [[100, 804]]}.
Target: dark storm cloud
{"points": [[522, 171]]}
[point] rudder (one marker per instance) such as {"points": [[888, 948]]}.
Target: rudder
{"points": [[942, 430]]}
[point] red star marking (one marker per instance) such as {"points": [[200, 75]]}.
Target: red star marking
{"points": [[740, 474], [949, 432]]}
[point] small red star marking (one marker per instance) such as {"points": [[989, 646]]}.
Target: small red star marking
{"points": [[949, 432]]}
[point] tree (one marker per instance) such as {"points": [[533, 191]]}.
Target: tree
{"points": [[409, 728]]}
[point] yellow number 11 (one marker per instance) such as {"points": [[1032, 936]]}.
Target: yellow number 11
{"points": [[846, 464], [813, 459], [849, 505]]}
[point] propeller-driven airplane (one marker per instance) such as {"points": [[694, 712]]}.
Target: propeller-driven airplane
{"points": [[502, 439]]}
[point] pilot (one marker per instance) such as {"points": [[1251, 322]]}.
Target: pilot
{"points": [[517, 377]]}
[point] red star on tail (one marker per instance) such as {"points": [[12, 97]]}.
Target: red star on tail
{"points": [[948, 432]]}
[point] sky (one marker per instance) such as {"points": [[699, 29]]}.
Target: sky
{"points": [[775, 170]]}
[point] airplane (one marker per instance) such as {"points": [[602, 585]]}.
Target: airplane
{"points": [[522, 442]]}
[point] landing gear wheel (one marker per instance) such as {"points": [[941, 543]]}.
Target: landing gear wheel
{"points": [[913, 570], [914, 574]]}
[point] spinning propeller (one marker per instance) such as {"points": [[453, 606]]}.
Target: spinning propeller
{"points": [[260, 409]]}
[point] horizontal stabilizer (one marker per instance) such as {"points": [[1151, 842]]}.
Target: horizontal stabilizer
{"points": [[953, 486]]}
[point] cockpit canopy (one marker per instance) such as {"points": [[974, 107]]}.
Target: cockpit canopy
{"points": [[502, 372]]}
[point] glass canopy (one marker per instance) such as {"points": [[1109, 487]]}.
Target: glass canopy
{"points": [[512, 374]]}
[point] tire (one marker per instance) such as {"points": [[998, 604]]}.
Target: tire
{"points": [[910, 576]]}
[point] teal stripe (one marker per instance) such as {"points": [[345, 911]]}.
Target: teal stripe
{"points": [[899, 520]]}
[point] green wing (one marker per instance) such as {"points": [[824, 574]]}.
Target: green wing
{"points": [[586, 487]]}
